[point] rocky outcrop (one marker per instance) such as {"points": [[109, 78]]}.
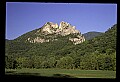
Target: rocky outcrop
{"points": [[77, 40], [37, 40], [67, 28], [62, 29]]}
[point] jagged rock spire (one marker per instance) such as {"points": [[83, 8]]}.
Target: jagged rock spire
{"points": [[64, 27]]}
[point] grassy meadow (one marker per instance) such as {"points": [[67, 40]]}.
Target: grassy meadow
{"points": [[62, 73]]}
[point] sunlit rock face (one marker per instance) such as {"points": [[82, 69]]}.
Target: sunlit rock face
{"points": [[62, 29], [77, 40]]}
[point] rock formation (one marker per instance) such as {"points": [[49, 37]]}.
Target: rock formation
{"points": [[62, 29]]}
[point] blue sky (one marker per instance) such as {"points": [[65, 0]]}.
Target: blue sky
{"points": [[22, 17]]}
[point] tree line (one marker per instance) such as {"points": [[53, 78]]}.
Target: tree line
{"points": [[86, 62]]}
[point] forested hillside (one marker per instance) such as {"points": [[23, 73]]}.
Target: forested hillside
{"points": [[98, 53], [92, 34]]}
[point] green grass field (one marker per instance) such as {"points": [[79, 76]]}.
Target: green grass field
{"points": [[63, 73]]}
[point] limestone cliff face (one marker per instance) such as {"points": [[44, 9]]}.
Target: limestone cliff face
{"points": [[49, 28], [62, 29], [79, 39]]}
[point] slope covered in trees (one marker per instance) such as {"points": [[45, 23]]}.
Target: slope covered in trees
{"points": [[98, 53]]}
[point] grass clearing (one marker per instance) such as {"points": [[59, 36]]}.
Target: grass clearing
{"points": [[68, 73]]}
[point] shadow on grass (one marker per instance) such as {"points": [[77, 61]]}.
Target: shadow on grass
{"points": [[62, 76], [13, 74]]}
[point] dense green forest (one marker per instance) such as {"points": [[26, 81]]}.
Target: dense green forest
{"points": [[98, 53]]}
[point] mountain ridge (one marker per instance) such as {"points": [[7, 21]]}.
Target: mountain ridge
{"points": [[49, 32], [91, 34]]}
